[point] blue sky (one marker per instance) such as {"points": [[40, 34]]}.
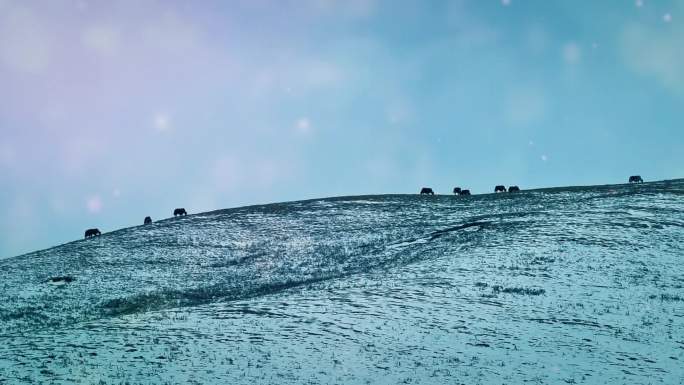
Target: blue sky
{"points": [[111, 111]]}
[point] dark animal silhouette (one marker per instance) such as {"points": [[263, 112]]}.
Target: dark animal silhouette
{"points": [[465, 192], [514, 189], [457, 190], [635, 179], [179, 212], [92, 232], [66, 279], [500, 188], [426, 191], [148, 220]]}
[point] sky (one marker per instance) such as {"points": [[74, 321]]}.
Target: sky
{"points": [[114, 110]]}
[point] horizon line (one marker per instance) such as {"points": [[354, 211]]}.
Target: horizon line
{"points": [[536, 189]]}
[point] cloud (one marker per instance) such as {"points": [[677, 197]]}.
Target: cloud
{"points": [[525, 105], [319, 74], [24, 45], [656, 52], [572, 53], [295, 75], [472, 31], [171, 33], [537, 39], [355, 9], [103, 39], [7, 155], [399, 111]]}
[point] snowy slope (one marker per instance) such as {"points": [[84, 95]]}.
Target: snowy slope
{"points": [[582, 285]]}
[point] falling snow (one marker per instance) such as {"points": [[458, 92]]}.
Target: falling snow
{"points": [[161, 122], [94, 204], [303, 126]]}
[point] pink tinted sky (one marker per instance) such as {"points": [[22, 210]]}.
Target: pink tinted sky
{"points": [[111, 111]]}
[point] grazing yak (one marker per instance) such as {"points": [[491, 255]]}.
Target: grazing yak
{"points": [[92, 232], [148, 220], [64, 279], [465, 192], [426, 191], [635, 179], [180, 211], [457, 190], [514, 189], [500, 188]]}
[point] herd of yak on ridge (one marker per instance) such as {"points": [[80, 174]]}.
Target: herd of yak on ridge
{"points": [[423, 191]]}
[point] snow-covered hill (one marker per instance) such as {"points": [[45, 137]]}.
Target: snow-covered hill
{"points": [[580, 284]]}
